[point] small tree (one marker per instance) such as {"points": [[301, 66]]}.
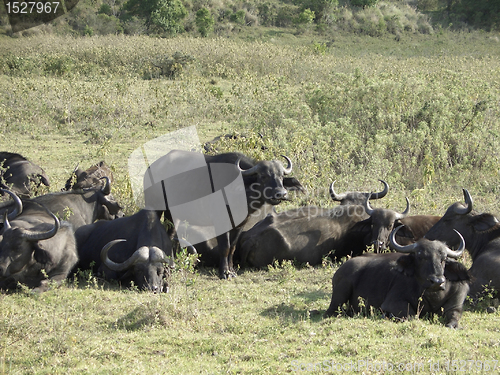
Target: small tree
{"points": [[162, 15], [204, 21], [306, 17]]}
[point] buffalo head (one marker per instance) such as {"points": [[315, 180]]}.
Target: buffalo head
{"points": [[354, 197], [427, 260], [147, 266], [266, 180], [461, 217], [382, 223], [19, 246]]}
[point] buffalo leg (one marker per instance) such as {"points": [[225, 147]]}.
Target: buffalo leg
{"points": [[223, 244]]}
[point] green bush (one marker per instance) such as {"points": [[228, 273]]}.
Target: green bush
{"points": [[204, 21]]}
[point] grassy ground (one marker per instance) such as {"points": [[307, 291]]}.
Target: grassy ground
{"points": [[421, 113]]}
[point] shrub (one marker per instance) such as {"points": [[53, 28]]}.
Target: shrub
{"points": [[204, 21], [306, 17]]}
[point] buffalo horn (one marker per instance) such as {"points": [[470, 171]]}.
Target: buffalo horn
{"points": [[140, 255], [457, 253], [468, 204], [381, 194], [247, 172], [401, 249], [405, 212], [368, 208], [334, 195], [106, 189], [6, 224], [39, 236], [17, 203], [288, 168]]}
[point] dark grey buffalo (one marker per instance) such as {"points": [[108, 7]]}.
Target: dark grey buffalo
{"points": [[208, 250], [356, 197], [79, 207], [382, 223], [20, 175], [481, 232], [307, 234], [264, 182], [420, 278], [34, 249], [92, 177], [134, 249]]}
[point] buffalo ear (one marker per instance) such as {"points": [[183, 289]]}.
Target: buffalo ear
{"points": [[406, 265], [42, 256], [484, 222], [456, 271], [291, 184]]}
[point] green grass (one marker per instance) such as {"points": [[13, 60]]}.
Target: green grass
{"points": [[421, 113]]}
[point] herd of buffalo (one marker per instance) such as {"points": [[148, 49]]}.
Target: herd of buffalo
{"points": [[46, 238]]}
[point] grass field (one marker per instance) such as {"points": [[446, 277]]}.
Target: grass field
{"points": [[421, 113]]}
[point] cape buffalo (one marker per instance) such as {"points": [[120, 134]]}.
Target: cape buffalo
{"points": [[35, 249], [309, 233], [20, 175], [264, 182], [89, 178], [355, 197], [79, 207], [382, 222], [135, 249], [421, 278], [482, 235]]}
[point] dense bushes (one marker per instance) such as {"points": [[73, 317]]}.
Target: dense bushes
{"points": [[171, 17]]}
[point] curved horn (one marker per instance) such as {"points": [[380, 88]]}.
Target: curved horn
{"points": [[468, 203], [369, 210], [247, 172], [288, 168], [457, 253], [6, 224], [39, 236], [405, 212], [381, 194], [17, 203], [334, 195], [106, 189], [401, 249], [142, 254]]}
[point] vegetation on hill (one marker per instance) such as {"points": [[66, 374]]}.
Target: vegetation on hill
{"points": [[327, 17]]}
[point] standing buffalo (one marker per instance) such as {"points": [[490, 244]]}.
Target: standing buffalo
{"points": [[421, 278], [20, 175], [34, 248], [89, 178], [482, 234], [134, 249], [264, 182]]}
